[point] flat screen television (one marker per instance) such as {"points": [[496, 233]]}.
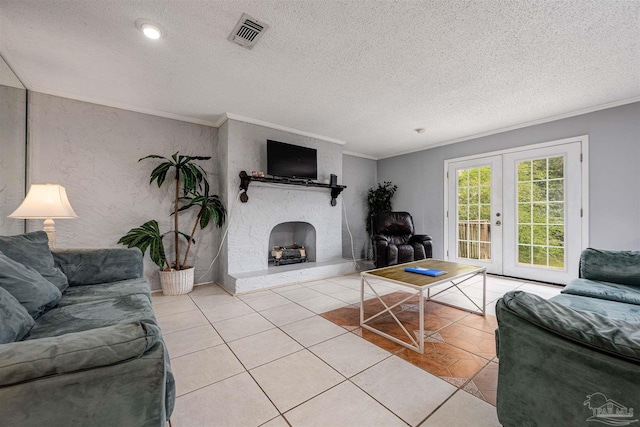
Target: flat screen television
{"points": [[291, 161]]}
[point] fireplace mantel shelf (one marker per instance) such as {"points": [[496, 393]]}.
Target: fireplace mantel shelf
{"points": [[245, 180]]}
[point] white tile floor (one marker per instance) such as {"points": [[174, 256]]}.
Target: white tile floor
{"points": [[268, 359]]}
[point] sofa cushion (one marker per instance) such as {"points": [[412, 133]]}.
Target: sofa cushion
{"points": [[94, 266], [92, 315], [610, 309], [604, 290], [15, 321], [32, 250], [26, 285], [610, 266], [87, 293]]}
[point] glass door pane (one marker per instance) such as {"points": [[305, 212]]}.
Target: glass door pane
{"points": [[540, 212], [474, 213]]}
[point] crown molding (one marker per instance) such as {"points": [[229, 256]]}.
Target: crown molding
{"points": [[354, 154], [522, 125], [236, 117], [123, 106], [221, 120]]}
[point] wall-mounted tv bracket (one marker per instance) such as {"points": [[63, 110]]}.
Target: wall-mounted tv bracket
{"points": [[245, 180]]}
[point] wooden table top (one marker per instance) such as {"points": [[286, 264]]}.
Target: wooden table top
{"points": [[397, 273]]}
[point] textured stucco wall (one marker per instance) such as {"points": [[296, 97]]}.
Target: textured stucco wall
{"points": [[269, 205], [93, 151], [614, 155], [12, 155], [221, 156], [359, 175]]}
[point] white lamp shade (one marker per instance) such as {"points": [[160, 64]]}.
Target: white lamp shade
{"points": [[45, 201]]}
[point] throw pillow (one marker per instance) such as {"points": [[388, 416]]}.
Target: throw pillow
{"points": [[28, 286], [15, 322], [32, 250]]}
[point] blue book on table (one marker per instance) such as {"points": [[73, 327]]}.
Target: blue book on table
{"points": [[427, 271]]}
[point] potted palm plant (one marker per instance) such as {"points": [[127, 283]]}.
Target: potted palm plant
{"points": [[177, 277]]}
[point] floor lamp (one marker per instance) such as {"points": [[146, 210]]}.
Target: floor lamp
{"points": [[48, 202]]}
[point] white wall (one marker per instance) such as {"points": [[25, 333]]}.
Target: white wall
{"points": [[93, 151], [359, 175], [614, 174]]}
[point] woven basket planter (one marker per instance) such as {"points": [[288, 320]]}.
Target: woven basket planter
{"points": [[177, 282]]}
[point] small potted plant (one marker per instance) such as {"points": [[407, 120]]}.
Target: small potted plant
{"points": [[177, 277]]}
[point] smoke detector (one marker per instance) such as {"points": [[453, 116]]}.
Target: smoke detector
{"points": [[248, 31]]}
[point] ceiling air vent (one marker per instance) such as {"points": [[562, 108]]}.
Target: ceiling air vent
{"points": [[247, 31]]}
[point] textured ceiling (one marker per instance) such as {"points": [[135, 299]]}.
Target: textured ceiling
{"points": [[362, 71]]}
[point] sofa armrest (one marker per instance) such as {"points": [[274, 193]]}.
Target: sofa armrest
{"points": [[592, 330], [114, 376], [552, 358], [91, 266], [379, 238], [33, 359], [380, 252], [419, 238], [425, 241]]}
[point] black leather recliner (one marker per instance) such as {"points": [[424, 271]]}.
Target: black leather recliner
{"points": [[394, 242]]}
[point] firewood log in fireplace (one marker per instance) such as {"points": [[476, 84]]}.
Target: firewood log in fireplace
{"points": [[291, 254]]}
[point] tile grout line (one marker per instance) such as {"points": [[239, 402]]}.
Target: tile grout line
{"points": [[309, 399], [372, 397], [437, 408], [241, 364], [472, 378]]}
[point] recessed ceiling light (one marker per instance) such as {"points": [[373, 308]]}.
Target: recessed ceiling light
{"points": [[149, 28], [420, 130], [151, 31]]}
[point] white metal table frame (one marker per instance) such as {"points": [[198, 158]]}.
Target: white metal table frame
{"points": [[418, 345]]}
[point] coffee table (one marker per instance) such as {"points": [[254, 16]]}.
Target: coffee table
{"points": [[417, 284]]}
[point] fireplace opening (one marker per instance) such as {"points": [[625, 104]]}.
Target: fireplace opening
{"points": [[292, 242]]}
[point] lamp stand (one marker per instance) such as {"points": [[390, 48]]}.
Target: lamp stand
{"points": [[50, 229]]}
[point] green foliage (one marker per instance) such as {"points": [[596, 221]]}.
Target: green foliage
{"points": [[379, 199], [192, 179], [147, 236], [192, 174], [211, 208]]}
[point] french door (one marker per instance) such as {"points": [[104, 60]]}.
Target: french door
{"points": [[475, 212], [518, 213]]}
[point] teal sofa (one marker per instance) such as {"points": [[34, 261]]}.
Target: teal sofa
{"points": [[573, 360], [88, 350]]}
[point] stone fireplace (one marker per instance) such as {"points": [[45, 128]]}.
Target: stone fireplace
{"points": [[277, 211], [280, 215]]}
